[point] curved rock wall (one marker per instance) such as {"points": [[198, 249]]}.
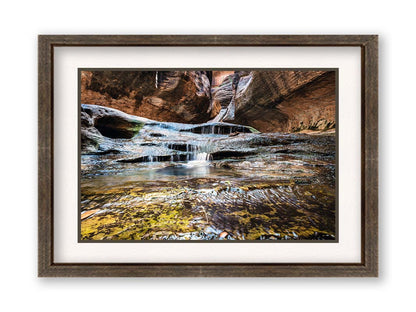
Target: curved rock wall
{"points": [[164, 95], [287, 101], [270, 101]]}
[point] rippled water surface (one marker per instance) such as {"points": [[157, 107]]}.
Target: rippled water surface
{"points": [[168, 184]]}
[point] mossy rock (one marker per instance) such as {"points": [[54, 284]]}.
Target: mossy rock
{"points": [[116, 127]]}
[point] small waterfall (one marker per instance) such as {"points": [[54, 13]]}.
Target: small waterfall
{"points": [[194, 151], [218, 129], [214, 129], [203, 156], [191, 150], [156, 79], [199, 159], [197, 153]]}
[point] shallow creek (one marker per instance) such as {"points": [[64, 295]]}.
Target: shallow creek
{"points": [[214, 181]]}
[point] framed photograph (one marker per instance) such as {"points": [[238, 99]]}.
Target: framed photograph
{"points": [[205, 156]]}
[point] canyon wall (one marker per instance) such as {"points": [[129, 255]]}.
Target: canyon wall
{"points": [[164, 95], [287, 101], [219, 76], [270, 101]]}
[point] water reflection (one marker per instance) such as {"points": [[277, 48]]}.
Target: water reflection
{"points": [[194, 168]]}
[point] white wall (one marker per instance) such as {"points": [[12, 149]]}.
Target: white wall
{"points": [[22, 21]]}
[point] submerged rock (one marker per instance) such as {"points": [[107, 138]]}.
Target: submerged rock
{"points": [[88, 213], [143, 179], [223, 235]]}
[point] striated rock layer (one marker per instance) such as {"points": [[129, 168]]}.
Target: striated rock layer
{"points": [[270, 101], [161, 95], [279, 101], [104, 130]]}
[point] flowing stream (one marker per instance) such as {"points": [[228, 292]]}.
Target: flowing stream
{"points": [[210, 181]]}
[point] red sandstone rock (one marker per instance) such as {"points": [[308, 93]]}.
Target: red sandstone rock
{"points": [[164, 96], [270, 101], [287, 101]]}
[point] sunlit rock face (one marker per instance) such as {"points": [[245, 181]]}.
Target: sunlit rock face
{"points": [[270, 101], [160, 95], [287, 101], [278, 101], [219, 76]]}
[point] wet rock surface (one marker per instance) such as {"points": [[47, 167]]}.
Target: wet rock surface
{"points": [[219, 128], [99, 123], [168, 184]]}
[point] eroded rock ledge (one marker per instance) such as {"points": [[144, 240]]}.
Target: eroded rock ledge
{"points": [[105, 130], [270, 101]]}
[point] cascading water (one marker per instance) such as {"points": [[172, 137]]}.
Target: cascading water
{"points": [[209, 182], [197, 155], [175, 142], [156, 79]]}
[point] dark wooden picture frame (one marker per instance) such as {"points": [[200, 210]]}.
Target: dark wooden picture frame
{"points": [[368, 267]]}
